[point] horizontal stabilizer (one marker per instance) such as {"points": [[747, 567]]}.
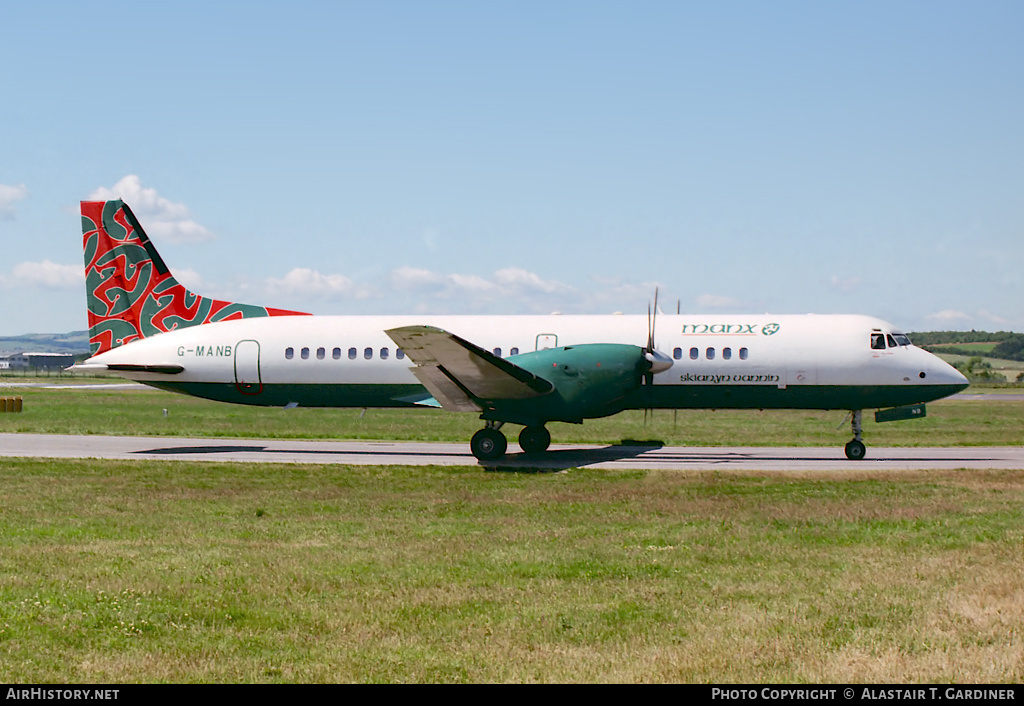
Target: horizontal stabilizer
{"points": [[87, 367], [134, 368], [422, 399], [459, 374]]}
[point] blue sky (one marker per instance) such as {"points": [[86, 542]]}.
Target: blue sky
{"points": [[526, 157]]}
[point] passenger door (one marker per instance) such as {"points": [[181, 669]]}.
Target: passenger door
{"points": [[247, 367]]}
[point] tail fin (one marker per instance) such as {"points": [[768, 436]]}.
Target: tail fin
{"points": [[130, 292]]}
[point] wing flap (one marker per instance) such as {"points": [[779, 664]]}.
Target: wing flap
{"points": [[460, 374], [445, 390]]}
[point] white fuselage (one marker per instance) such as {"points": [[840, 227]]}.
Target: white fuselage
{"points": [[709, 353]]}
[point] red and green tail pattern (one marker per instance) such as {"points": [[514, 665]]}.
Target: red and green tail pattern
{"points": [[130, 292]]}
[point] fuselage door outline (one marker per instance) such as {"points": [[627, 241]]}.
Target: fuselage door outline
{"points": [[247, 367], [546, 340]]}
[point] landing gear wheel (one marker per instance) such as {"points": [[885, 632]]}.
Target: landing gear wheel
{"points": [[488, 444], [534, 440], [855, 449]]}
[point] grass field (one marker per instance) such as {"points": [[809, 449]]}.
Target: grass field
{"points": [[954, 422], [159, 571], [176, 572]]}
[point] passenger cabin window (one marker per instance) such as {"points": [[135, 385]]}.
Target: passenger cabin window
{"points": [[877, 342], [289, 353]]}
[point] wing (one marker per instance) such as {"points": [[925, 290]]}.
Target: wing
{"points": [[459, 374]]}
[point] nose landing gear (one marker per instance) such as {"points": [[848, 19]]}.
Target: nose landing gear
{"points": [[855, 449]]}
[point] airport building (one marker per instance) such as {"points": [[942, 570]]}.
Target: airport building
{"points": [[36, 361]]}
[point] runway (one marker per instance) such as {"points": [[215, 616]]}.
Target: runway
{"points": [[559, 457]]}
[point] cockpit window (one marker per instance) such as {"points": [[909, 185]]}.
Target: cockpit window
{"points": [[902, 339], [877, 342]]}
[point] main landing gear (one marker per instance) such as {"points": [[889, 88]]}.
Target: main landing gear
{"points": [[489, 443], [534, 440], [855, 449]]}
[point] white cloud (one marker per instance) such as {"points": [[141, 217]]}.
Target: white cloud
{"points": [[949, 316], [472, 283], [45, 274], [615, 288], [993, 318], [416, 279], [981, 319], [8, 195], [190, 279], [160, 217], [516, 290], [510, 282], [516, 278], [418, 290], [303, 281], [430, 236], [718, 301], [845, 284]]}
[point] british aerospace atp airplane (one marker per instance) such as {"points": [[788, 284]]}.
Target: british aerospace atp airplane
{"points": [[524, 370]]}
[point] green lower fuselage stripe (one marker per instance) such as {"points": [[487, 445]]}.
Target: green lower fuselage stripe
{"points": [[656, 397]]}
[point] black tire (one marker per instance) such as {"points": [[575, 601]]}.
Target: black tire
{"points": [[488, 444], [855, 450], [534, 440]]}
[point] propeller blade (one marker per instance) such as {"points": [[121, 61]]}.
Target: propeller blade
{"points": [[654, 320], [650, 329], [656, 361]]}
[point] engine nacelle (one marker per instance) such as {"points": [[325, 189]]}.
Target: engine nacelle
{"points": [[590, 380]]}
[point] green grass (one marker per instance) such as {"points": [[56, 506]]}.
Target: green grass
{"points": [[953, 422], [162, 571], [1008, 369]]}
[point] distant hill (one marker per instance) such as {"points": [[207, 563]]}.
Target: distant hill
{"points": [[75, 342], [1001, 344]]}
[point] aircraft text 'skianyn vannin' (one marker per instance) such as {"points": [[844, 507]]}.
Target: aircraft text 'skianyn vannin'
{"points": [[525, 370]]}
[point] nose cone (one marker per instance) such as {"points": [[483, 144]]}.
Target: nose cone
{"points": [[935, 371]]}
